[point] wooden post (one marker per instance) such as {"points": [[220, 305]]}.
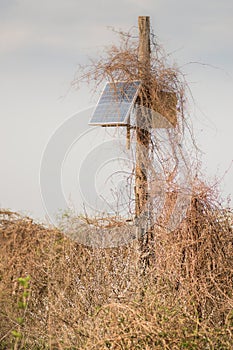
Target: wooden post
{"points": [[142, 130], [143, 138]]}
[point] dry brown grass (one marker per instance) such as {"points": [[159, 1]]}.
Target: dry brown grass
{"points": [[83, 298]]}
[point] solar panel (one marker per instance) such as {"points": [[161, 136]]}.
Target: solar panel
{"points": [[115, 103]]}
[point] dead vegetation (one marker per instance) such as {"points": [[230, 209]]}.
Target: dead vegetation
{"points": [[164, 91], [86, 298], [163, 84], [81, 297]]}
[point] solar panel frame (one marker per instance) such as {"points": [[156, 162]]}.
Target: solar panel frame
{"points": [[113, 105]]}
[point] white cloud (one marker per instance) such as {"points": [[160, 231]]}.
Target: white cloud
{"points": [[11, 40], [201, 26]]}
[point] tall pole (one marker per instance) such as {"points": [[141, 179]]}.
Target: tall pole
{"points": [[142, 135], [142, 130]]}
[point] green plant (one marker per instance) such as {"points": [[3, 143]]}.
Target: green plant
{"points": [[24, 284]]}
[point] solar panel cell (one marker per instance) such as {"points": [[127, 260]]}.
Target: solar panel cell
{"points": [[115, 103]]}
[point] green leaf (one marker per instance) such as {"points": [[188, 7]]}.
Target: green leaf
{"points": [[19, 320], [16, 334]]}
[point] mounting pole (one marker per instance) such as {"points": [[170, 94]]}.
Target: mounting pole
{"points": [[142, 130], [142, 136]]}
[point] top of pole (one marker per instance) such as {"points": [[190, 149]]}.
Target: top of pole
{"points": [[144, 41]]}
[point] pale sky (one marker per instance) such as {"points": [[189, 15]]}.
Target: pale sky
{"points": [[41, 44]]}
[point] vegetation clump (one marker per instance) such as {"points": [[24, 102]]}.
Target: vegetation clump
{"points": [[89, 298]]}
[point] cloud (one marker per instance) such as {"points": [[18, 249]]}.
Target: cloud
{"points": [[12, 39], [76, 23], [51, 24]]}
